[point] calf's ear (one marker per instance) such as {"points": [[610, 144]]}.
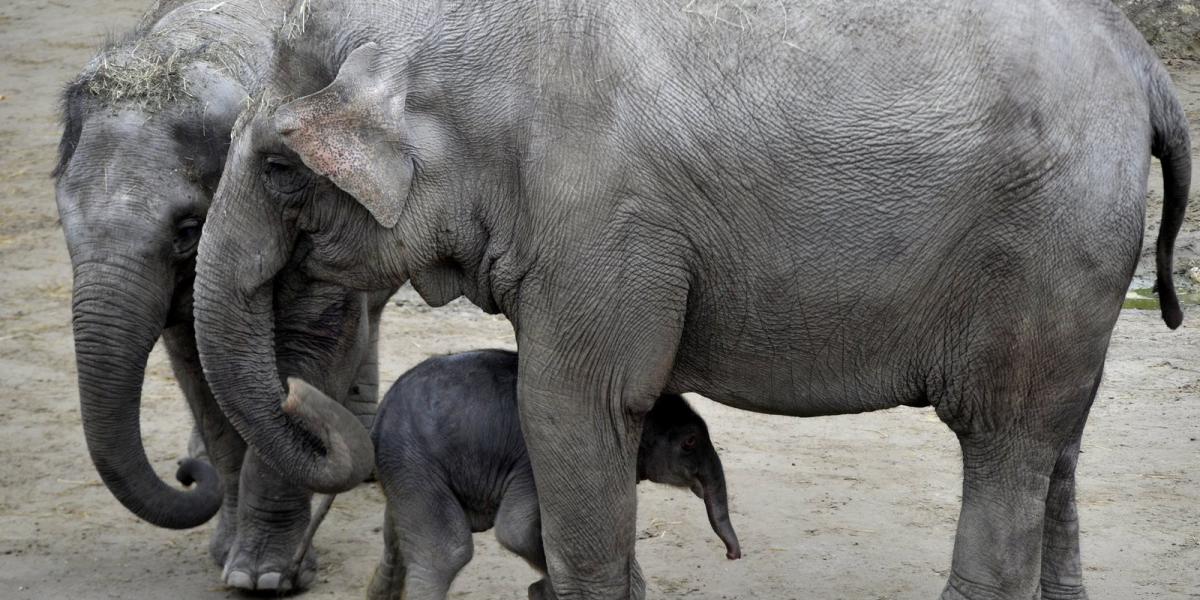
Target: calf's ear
{"points": [[353, 133]]}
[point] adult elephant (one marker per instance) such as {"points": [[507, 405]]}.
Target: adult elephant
{"points": [[651, 190], [146, 131]]}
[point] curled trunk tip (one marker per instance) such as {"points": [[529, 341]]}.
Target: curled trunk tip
{"points": [[350, 455], [204, 476]]}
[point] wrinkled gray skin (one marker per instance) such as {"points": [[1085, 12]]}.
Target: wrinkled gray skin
{"points": [[452, 462], [147, 127], [652, 191]]}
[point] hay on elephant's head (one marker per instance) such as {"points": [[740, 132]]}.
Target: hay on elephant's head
{"points": [[265, 102], [155, 79], [296, 20], [151, 69]]}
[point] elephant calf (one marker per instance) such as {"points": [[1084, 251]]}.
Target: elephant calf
{"points": [[452, 461]]}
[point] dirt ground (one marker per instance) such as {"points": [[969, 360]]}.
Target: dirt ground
{"points": [[844, 507]]}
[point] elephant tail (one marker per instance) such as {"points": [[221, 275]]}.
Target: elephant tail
{"points": [[1171, 145]]}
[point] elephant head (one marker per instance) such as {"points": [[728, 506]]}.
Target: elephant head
{"points": [[133, 185], [329, 175], [676, 450]]}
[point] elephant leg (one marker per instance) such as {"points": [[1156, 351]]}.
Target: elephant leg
{"points": [[541, 590], [584, 386], [212, 433], [1010, 457], [519, 529], [363, 399], [387, 583], [1062, 569], [272, 518], [433, 542], [196, 448], [998, 546], [584, 452]]}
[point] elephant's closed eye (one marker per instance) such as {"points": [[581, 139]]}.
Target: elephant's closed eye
{"points": [[281, 176], [187, 235]]}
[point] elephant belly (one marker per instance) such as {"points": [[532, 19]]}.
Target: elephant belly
{"points": [[787, 367], [797, 388]]}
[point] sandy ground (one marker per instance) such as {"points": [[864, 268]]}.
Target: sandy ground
{"points": [[845, 507]]}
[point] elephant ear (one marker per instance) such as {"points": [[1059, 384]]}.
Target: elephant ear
{"points": [[352, 132]]}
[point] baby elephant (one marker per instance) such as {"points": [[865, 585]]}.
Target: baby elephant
{"points": [[451, 459]]}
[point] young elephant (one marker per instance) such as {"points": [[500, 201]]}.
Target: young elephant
{"points": [[146, 127], [451, 459]]}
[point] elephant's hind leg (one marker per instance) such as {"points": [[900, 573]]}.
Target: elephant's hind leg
{"points": [[432, 541], [387, 583], [1011, 453], [1062, 569]]}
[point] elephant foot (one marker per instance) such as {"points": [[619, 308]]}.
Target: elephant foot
{"points": [[272, 518], [263, 551], [1052, 590], [386, 583], [958, 588], [265, 567], [541, 590]]}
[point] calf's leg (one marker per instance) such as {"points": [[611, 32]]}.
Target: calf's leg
{"points": [[519, 529]]}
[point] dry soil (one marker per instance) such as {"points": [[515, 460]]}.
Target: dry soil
{"points": [[844, 507]]}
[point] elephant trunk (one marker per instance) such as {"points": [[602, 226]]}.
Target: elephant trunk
{"points": [[716, 503], [321, 450], [116, 325]]}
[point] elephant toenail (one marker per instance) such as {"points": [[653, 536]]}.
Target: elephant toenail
{"points": [[269, 581], [240, 580]]}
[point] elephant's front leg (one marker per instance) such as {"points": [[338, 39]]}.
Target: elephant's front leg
{"points": [[583, 395], [271, 518], [596, 349], [584, 459], [220, 444], [322, 337], [363, 398]]}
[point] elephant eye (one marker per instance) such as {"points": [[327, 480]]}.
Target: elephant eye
{"points": [[187, 235], [689, 443], [283, 177]]}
